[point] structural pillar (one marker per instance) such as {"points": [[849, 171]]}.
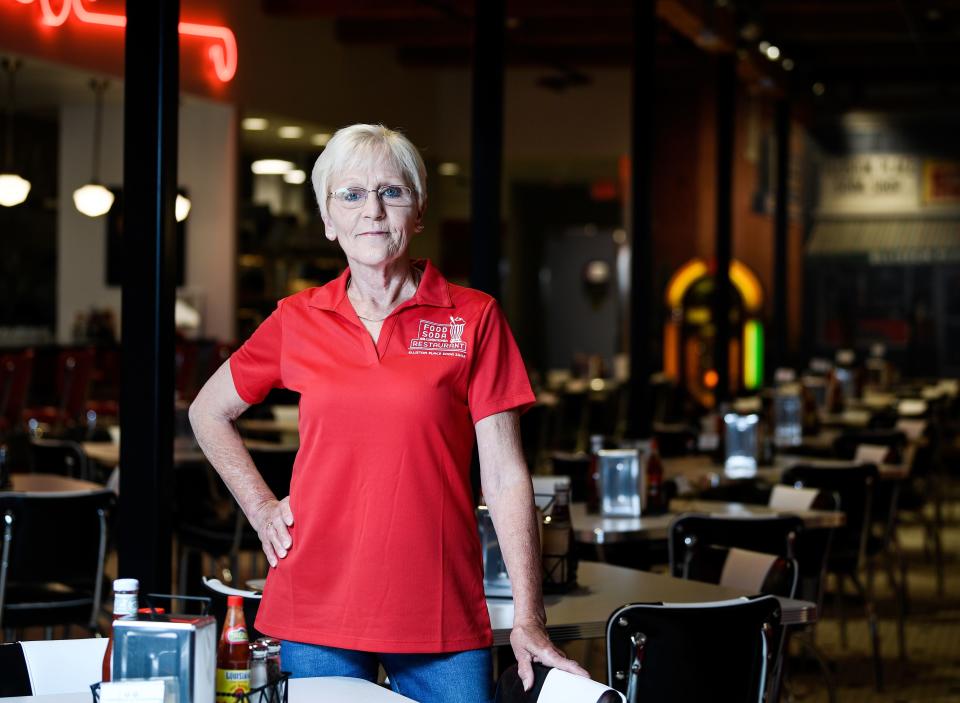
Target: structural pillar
{"points": [[781, 242], [490, 18], [726, 86], [643, 316], [151, 94]]}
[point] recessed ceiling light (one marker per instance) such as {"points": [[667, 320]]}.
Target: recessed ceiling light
{"points": [[763, 46], [271, 167], [296, 176], [290, 131], [320, 139], [819, 89], [254, 124], [787, 64], [448, 168], [773, 52]]}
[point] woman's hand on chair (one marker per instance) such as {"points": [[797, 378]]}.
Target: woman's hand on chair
{"points": [[531, 643], [271, 521]]}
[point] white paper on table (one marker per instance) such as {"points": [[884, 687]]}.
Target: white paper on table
{"points": [[790, 498], [746, 570], [871, 454], [563, 687], [140, 691], [912, 406], [913, 429]]}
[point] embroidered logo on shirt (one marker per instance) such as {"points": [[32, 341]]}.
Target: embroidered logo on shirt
{"points": [[440, 338]]}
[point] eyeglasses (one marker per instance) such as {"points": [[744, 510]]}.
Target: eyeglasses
{"points": [[396, 196]]}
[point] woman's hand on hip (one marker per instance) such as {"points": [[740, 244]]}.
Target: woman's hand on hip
{"points": [[271, 521], [531, 643]]}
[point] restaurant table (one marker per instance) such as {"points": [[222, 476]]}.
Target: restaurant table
{"points": [[333, 689], [583, 612], [700, 470], [597, 529], [49, 483], [108, 453]]}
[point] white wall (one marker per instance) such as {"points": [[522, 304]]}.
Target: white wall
{"points": [[207, 168]]}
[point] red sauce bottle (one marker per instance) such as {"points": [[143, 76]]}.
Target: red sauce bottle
{"points": [[233, 654]]}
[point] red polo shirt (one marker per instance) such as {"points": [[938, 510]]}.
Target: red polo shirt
{"points": [[385, 555]]}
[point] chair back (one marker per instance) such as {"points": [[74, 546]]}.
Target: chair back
{"points": [[58, 456], [771, 535], [853, 484], [691, 652], [553, 686], [15, 373], [743, 569], [55, 538], [74, 372], [58, 667]]}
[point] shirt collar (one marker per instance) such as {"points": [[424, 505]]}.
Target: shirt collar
{"points": [[433, 290]]}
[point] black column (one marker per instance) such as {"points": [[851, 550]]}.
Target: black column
{"points": [[726, 85], [146, 398], [780, 326], [487, 143], [642, 126]]}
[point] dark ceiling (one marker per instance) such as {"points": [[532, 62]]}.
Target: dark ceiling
{"points": [[868, 52]]}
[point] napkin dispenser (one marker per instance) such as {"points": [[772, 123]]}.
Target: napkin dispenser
{"points": [[623, 484], [182, 646]]}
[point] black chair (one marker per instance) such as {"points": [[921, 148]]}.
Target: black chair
{"points": [[770, 535], [845, 445], [713, 564], [14, 675], [54, 551], [58, 456], [207, 519], [549, 685], [692, 652], [855, 486]]}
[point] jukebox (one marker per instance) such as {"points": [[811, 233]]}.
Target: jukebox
{"points": [[689, 331]]}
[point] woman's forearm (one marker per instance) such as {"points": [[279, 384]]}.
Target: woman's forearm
{"points": [[508, 492]]}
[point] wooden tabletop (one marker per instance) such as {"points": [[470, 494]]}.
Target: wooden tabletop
{"points": [[702, 472], [597, 529], [583, 613], [108, 453], [50, 483]]}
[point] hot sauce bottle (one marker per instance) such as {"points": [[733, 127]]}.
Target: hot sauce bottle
{"points": [[233, 654]]}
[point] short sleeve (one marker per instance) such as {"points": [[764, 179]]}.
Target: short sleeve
{"points": [[255, 366], [498, 379]]}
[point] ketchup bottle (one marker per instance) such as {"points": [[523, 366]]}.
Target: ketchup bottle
{"points": [[125, 603], [233, 654]]}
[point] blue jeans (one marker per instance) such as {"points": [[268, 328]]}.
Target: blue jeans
{"points": [[457, 677]]}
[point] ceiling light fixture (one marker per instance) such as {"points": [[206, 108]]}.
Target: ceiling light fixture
{"points": [[320, 138], [92, 199], [290, 131], [763, 46], [13, 187], [819, 89], [182, 208], [448, 168], [254, 124], [787, 64], [773, 52], [295, 177], [271, 167]]}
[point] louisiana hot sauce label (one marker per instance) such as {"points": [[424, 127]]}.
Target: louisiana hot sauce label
{"points": [[230, 682]]}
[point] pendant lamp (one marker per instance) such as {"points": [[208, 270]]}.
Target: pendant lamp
{"points": [[92, 199], [13, 187]]}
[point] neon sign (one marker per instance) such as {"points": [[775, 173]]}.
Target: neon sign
{"points": [[222, 53]]}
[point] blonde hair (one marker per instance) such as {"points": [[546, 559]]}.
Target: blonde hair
{"points": [[360, 143]]}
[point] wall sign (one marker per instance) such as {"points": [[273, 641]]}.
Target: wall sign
{"points": [[867, 184], [222, 51], [941, 182]]}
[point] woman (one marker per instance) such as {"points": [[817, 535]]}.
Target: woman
{"points": [[374, 555]]}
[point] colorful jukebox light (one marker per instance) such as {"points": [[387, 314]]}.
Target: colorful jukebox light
{"points": [[689, 332]]}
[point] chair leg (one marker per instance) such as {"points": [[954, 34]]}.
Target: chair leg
{"points": [[871, 613], [805, 638], [841, 612]]}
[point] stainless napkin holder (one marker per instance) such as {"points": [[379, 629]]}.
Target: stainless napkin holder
{"points": [[183, 646]]}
